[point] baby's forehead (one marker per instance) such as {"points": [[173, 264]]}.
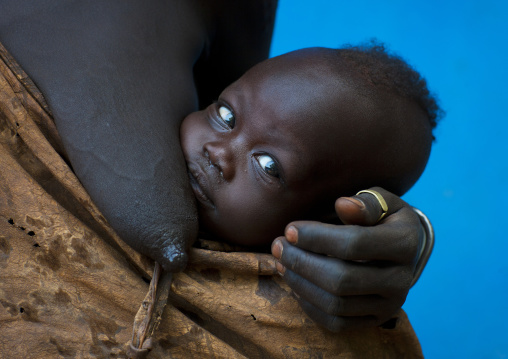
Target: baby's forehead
{"points": [[289, 82], [296, 65], [308, 98], [304, 95]]}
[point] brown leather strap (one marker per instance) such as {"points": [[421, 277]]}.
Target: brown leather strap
{"points": [[149, 314], [136, 353]]}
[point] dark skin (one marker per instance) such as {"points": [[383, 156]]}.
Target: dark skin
{"points": [[288, 138], [120, 76], [352, 294]]}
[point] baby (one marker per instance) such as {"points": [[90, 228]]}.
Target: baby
{"points": [[300, 130]]}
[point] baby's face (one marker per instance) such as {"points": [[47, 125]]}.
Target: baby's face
{"points": [[271, 147]]}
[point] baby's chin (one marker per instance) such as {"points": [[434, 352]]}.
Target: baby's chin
{"points": [[240, 231], [253, 242]]}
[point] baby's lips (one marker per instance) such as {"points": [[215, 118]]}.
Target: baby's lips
{"points": [[173, 259]]}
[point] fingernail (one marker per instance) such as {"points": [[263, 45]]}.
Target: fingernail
{"points": [[292, 234], [355, 201], [280, 268], [277, 249]]}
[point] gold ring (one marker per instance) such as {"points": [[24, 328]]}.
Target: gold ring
{"points": [[380, 199]]}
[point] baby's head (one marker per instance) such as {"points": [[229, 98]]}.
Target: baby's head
{"points": [[300, 130]]}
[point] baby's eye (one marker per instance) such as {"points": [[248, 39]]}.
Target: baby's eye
{"points": [[227, 116], [268, 165]]}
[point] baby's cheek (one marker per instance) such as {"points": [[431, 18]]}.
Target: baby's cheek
{"points": [[252, 228], [247, 215]]}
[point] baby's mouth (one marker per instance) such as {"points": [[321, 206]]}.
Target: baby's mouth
{"points": [[198, 184]]}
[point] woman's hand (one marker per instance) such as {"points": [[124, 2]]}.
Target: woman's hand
{"points": [[353, 275]]}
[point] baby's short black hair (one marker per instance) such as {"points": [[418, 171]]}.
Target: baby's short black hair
{"points": [[388, 72]]}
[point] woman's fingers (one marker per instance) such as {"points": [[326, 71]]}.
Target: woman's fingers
{"points": [[354, 275], [394, 240], [339, 277], [337, 323], [346, 305], [339, 294]]}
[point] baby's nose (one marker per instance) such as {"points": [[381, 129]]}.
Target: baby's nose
{"points": [[221, 157]]}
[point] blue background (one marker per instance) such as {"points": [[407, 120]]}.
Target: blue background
{"points": [[459, 308]]}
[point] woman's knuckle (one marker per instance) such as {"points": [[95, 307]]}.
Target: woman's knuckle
{"points": [[352, 241], [337, 278], [400, 283], [334, 306]]}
